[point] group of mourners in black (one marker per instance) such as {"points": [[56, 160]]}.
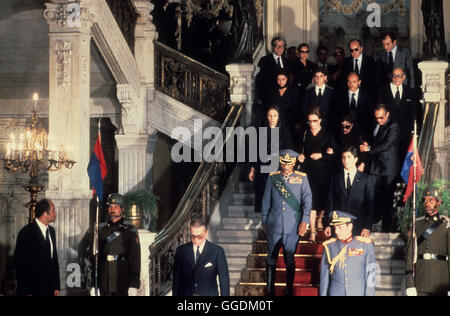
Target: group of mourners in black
{"points": [[362, 104]]}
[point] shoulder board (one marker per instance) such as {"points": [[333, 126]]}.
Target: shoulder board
{"points": [[364, 240], [275, 173], [326, 243], [420, 218], [300, 173]]}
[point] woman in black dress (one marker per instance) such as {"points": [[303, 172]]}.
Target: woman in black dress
{"points": [[259, 179], [317, 161]]}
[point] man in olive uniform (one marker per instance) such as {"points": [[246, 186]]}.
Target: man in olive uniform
{"points": [[286, 209], [119, 253], [431, 251]]}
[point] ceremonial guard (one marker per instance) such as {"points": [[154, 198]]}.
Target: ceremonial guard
{"points": [[119, 253], [431, 251], [286, 208], [348, 263]]}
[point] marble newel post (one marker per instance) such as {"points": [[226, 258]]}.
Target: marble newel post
{"points": [[69, 99], [434, 85], [241, 87]]}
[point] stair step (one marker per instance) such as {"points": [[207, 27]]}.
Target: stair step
{"points": [[390, 282], [259, 289], [236, 262], [259, 276], [236, 236], [234, 249], [244, 199], [392, 266], [387, 252], [381, 292], [301, 261], [235, 223], [304, 247], [246, 211], [244, 187], [383, 239]]}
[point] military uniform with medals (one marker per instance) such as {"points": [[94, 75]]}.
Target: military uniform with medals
{"points": [[286, 204], [348, 267], [119, 256], [431, 258]]}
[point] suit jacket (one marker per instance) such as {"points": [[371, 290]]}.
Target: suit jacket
{"points": [[201, 278], [360, 201], [404, 114], [266, 80], [363, 115], [403, 59], [37, 274], [310, 99], [366, 72], [384, 151]]}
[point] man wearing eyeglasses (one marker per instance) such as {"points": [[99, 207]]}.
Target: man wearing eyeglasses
{"points": [[402, 104], [361, 64], [197, 265], [385, 165]]}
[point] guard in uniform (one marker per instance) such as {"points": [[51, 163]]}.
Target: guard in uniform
{"points": [[119, 253], [431, 251], [348, 265], [286, 208]]}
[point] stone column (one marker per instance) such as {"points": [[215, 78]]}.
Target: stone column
{"points": [[434, 86], [241, 87], [69, 100]]}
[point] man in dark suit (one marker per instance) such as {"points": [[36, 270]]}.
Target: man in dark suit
{"points": [[353, 192], [36, 257], [361, 64], [270, 65], [394, 56], [197, 265], [403, 106], [354, 101], [320, 95], [384, 152]]}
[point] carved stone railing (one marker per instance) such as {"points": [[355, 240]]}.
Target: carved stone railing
{"points": [[125, 14], [199, 200], [190, 82]]}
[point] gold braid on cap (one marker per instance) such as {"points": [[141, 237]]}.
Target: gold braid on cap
{"points": [[287, 160], [336, 220]]}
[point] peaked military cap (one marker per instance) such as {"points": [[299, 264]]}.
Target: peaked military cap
{"points": [[339, 218], [116, 198], [288, 157]]}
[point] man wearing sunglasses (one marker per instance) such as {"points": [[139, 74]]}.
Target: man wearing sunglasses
{"points": [[361, 64], [198, 264]]}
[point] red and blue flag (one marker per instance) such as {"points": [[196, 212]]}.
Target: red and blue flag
{"points": [[407, 172], [97, 169]]}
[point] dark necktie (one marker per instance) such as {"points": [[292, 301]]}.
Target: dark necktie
{"points": [[397, 98], [391, 61], [353, 103], [47, 242], [279, 62], [349, 183], [356, 66], [197, 254], [319, 97]]}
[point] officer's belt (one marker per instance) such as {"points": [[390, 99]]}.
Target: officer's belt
{"points": [[427, 234], [115, 234], [286, 194], [112, 258], [432, 256]]}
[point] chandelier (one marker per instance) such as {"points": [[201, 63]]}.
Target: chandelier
{"points": [[31, 153]]}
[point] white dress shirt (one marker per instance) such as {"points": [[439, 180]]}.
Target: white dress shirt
{"points": [[394, 53], [275, 56], [350, 96], [352, 176], [394, 90], [322, 89], [43, 229], [200, 249]]}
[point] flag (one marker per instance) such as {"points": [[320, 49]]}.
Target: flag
{"points": [[97, 169], [407, 172]]}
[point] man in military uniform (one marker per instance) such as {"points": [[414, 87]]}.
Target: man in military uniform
{"points": [[119, 253], [348, 264], [431, 251], [286, 208]]}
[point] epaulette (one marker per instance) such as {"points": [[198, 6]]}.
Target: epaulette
{"points": [[330, 241], [300, 173], [275, 173], [364, 240], [420, 218]]}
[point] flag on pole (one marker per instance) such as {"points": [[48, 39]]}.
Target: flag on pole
{"points": [[97, 169], [408, 169]]}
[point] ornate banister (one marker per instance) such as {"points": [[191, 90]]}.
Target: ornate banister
{"points": [[190, 82], [198, 201]]}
